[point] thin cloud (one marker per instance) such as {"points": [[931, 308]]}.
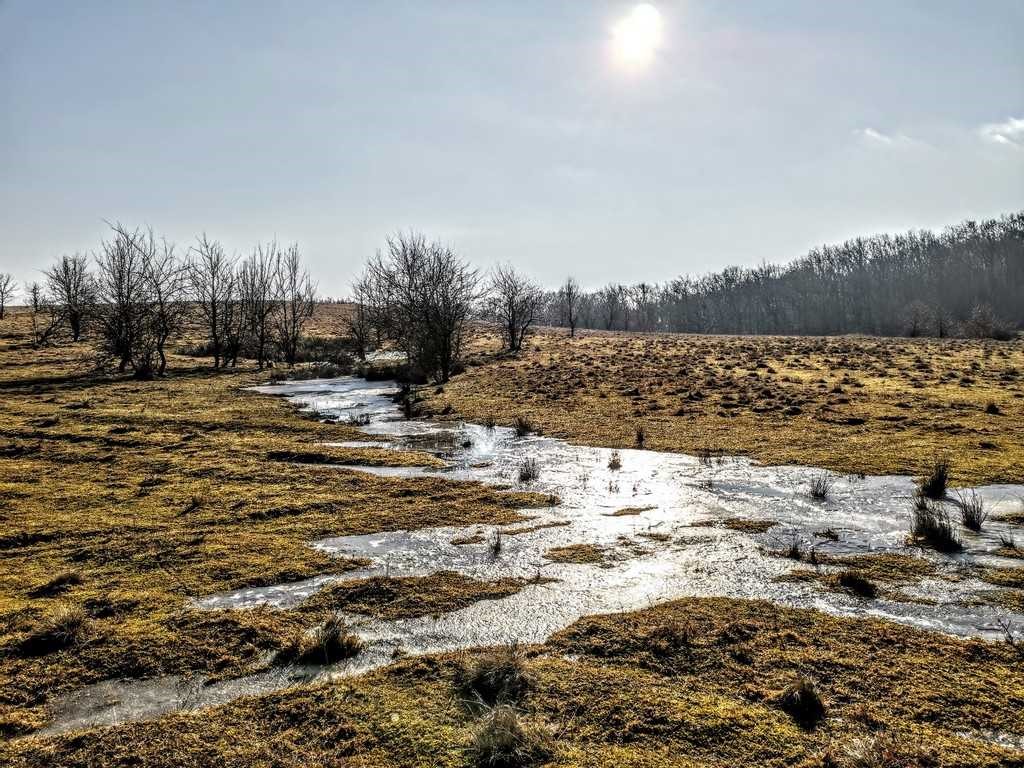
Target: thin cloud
{"points": [[875, 138], [1009, 133]]}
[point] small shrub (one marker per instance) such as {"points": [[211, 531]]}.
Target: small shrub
{"points": [[62, 628], [992, 409], [641, 436], [1007, 542], [821, 486], [325, 644], [858, 584], [972, 510], [523, 426], [490, 423], [934, 485], [615, 461], [803, 703], [495, 544], [931, 527], [502, 740], [497, 677], [529, 470]]}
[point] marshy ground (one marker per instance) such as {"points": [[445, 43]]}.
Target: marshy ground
{"points": [[121, 501], [850, 404]]}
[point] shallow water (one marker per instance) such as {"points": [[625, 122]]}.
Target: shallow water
{"points": [[682, 503]]}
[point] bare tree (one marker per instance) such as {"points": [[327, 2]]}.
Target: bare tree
{"points": [[296, 300], [211, 274], [72, 293], [513, 303], [256, 293], [358, 322], [166, 287], [7, 289], [569, 304], [426, 296], [121, 300]]}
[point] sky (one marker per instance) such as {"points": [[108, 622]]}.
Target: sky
{"points": [[551, 135]]}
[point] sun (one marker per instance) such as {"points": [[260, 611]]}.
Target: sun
{"points": [[636, 37]]}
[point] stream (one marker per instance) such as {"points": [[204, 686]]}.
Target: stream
{"points": [[657, 521]]}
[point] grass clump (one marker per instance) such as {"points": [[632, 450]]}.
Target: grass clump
{"points": [[63, 627], [857, 583], [972, 510], [803, 703], [641, 436], [57, 585], [885, 750], [930, 526], [502, 740], [522, 426], [580, 554], [495, 678], [821, 486], [325, 644], [529, 470], [615, 461], [935, 483]]}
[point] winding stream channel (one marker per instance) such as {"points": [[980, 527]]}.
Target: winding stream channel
{"points": [[658, 520]]}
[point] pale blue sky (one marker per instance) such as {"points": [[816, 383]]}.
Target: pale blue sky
{"points": [[507, 129]]}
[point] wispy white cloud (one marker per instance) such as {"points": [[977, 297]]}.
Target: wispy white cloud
{"points": [[1009, 133], [875, 138]]}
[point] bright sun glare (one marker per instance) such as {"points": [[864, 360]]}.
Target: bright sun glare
{"points": [[637, 36]]}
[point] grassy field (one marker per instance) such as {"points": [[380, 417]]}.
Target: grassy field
{"points": [[850, 404], [120, 500]]}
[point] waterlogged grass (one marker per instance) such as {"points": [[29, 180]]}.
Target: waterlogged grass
{"points": [[121, 500], [690, 683], [828, 402]]}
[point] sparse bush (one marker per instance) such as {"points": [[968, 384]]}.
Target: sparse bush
{"points": [[490, 423], [529, 470], [803, 703], [931, 527], [330, 642], [641, 436], [497, 677], [502, 740], [857, 583], [615, 461], [821, 486], [523, 426], [992, 409], [495, 544], [934, 485], [972, 510]]}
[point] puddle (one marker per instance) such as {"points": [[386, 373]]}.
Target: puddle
{"points": [[670, 545]]}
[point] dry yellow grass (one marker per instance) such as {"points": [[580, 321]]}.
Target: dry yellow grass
{"points": [[850, 404], [690, 683], [145, 494], [119, 500]]}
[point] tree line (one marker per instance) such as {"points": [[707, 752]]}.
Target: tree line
{"points": [[966, 280], [420, 297], [137, 293]]}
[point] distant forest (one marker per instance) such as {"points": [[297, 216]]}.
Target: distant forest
{"points": [[966, 280]]}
